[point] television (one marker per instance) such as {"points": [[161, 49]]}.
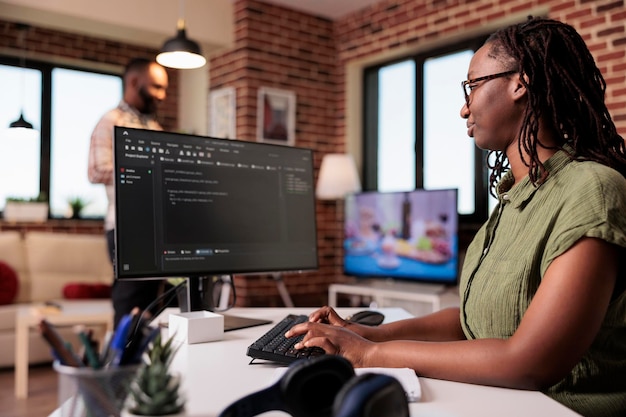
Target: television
{"points": [[196, 206], [403, 236]]}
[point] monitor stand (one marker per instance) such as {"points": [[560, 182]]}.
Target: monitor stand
{"points": [[193, 297]]}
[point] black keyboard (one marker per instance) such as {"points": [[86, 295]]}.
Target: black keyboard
{"points": [[274, 346]]}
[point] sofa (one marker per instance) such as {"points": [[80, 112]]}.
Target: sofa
{"points": [[47, 267]]}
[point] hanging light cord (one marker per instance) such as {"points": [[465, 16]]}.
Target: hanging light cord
{"points": [[20, 42], [181, 15]]}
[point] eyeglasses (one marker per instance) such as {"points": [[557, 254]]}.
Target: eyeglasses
{"points": [[468, 85]]}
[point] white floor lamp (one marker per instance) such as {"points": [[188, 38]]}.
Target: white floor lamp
{"points": [[337, 178]]}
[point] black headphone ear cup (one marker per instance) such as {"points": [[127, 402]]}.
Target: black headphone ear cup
{"points": [[371, 395], [307, 389], [310, 386]]}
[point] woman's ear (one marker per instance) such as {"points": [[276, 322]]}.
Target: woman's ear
{"points": [[519, 89]]}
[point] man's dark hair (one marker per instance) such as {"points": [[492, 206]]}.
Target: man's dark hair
{"points": [[137, 65], [565, 90]]}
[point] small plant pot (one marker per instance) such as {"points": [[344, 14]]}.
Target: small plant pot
{"points": [[130, 404], [25, 212]]}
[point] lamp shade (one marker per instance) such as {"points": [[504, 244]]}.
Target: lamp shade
{"points": [[180, 51], [21, 123], [337, 178]]}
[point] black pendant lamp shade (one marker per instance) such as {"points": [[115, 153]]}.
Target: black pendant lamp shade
{"points": [[21, 123], [180, 51]]}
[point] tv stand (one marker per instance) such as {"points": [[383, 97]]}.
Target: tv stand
{"points": [[418, 298]]}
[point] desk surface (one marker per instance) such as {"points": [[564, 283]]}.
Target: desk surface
{"points": [[217, 373]]}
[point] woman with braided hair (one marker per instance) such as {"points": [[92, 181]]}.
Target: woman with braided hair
{"points": [[543, 285]]}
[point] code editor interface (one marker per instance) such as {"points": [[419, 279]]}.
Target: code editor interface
{"points": [[191, 204]]}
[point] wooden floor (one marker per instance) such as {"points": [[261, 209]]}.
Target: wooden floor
{"points": [[42, 393]]}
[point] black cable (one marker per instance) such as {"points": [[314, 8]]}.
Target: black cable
{"points": [[169, 294]]}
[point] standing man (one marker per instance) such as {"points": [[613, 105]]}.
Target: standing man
{"points": [[145, 85]]}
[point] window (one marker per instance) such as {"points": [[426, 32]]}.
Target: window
{"points": [[64, 105], [448, 151], [79, 99], [19, 151], [396, 130], [414, 136]]}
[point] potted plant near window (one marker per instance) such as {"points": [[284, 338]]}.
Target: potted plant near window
{"points": [[77, 204], [155, 391], [18, 209]]}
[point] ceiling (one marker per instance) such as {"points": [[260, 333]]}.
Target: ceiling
{"points": [[331, 9], [150, 22]]}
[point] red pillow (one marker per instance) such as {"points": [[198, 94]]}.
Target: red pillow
{"points": [[84, 290], [9, 284]]}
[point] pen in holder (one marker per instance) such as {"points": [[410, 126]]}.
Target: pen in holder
{"points": [[88, 392]]}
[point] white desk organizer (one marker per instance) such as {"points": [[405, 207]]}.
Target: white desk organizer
{"points": [[196, 326]]}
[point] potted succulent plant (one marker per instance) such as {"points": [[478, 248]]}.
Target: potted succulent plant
{"points": [[155, 390]]}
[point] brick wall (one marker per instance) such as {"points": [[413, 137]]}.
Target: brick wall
{"points": [[90, 227], [282, 48], [394, 24], [279, 48], [66, 48]]}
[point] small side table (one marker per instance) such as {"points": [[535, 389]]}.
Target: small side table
{"points": [[422, 298], [73, 312]]}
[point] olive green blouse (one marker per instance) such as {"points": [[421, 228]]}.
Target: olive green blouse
{"points": [[507, 259]]}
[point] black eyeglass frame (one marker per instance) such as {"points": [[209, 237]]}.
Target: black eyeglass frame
{"points": [[466, 83]]}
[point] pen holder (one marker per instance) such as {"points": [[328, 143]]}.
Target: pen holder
{"points": [[88, 392]]}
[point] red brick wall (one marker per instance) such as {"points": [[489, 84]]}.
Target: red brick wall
{"points": [[292, 51], [90, 227], [394, 24], [87, 52], [282, 48]]}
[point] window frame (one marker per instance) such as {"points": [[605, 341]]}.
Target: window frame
{"points": [[46, 69], [370, 125]]}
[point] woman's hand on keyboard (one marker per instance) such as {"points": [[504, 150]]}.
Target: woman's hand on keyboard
{"points": [[333, 339], [327, 315]]}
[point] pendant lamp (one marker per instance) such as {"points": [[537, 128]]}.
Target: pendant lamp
{"points": [[21, 123], [180, 51]]}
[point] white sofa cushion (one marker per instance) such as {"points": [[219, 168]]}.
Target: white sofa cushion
{"points": [[56, 259]]}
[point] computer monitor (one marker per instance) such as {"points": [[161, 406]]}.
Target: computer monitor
{"points": [[195, 206], [405, 236]]}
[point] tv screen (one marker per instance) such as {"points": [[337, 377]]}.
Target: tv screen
{"points": [[190, 205], [411, 236]]}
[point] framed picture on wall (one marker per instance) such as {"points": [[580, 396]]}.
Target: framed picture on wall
{"points": [[276, 112], [223, 113]]}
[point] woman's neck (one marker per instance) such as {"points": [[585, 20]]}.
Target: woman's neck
{"points": [[546, 147]]}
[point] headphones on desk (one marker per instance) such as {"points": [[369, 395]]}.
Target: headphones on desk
{"points": [[326, 386]]}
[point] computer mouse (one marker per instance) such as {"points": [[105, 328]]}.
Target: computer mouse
{"points": [[367, 317]]}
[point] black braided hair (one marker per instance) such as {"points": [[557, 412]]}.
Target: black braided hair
{"points": [[565, 89]]}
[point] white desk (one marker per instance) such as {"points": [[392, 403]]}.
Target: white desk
{"points": [[217, 373]]}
